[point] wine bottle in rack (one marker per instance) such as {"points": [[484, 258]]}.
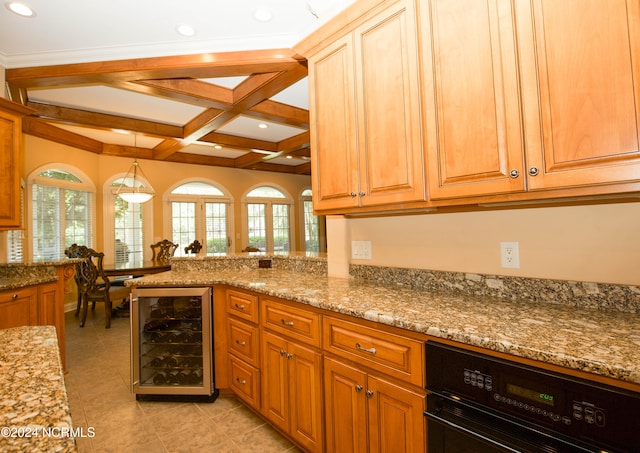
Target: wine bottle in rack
{"points": [[160, 378], [157, 361], [172, 377], [171, 361], [195, 377]]}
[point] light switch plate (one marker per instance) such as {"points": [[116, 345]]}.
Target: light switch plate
{"points": [[361, 250]]}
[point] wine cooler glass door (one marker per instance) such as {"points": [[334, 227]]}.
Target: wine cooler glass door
{"points": [[171, 341]]}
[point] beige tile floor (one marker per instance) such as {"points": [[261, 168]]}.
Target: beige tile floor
{"points": [[98, 387]]}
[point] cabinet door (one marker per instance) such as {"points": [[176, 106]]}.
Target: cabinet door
{"points": [[305, 387], [581, 90], [345, 408], [389, 132], [18, 308], [334, 153], [10, 139], [244, 380], [396, 417], [471, 98], [275, 388]]}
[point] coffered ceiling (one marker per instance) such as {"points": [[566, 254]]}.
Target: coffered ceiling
{"points": [[114, 77]]}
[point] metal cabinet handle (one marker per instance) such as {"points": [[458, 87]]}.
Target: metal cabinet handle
{"points": [[369, 393], [241, 343], [353, 194], [286, 323], [241, 381], [239, 307], [362, 194], [360, 348], [533, 171], [514, 173], [358, 388]]}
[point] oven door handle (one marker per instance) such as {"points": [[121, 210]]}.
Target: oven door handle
{"points": [[475, 434]]}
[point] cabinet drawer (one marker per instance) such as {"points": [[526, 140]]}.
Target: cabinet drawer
{"points": [[391, 354], [242, 304], [243, 341], [245, 381], [293, 322]]}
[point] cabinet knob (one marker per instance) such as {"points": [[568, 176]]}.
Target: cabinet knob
{"points": [[286, 323], [241, 343], [369, 393], [362, 194], [358, 388], [353, 194], [282, 352], [14, 297], [514, 173], [289, 356], [533, 171], [239, 307], [241, 381]]}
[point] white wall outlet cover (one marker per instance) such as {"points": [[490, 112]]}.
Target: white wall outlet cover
{"points": [[361, 250], [510, 255]]}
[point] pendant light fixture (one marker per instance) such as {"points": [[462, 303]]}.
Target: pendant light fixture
{"points": [[137, 193]]}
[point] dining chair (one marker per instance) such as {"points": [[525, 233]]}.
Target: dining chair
{"points": [[78, 251], [194, 247], [163, 250], [94, 285]]}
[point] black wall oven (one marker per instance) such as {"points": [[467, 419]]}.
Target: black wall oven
{"points": [[478, 403]]}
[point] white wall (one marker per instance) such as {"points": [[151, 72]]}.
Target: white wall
{"points": [[598, 243]]}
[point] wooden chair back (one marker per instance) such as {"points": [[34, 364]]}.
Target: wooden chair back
{"points": [[163, 250]]}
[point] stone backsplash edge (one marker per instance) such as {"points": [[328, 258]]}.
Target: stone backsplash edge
{"points": [[600, 296]]}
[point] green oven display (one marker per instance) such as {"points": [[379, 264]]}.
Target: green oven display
{"points": [[531, 395]]}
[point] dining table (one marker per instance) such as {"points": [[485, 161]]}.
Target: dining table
{"points": [[131, 269], [136, 268]]}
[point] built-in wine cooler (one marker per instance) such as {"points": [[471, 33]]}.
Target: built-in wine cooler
{"points": [[171, 344]]}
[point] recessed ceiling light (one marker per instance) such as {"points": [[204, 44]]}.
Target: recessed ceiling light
{"points": [[217, 147], [262, 14], [262, 126], [289, 157], [185, 30], [20, 9]]}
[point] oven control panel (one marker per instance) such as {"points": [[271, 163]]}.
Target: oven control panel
{"points": [[561, 403], [524, 399]]}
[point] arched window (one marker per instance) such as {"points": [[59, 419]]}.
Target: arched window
{"points": [[62, 206], [268, 224], [128, 227], [200, 210], [312, 225]]}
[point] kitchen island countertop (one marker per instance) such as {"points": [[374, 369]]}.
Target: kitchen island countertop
{"points": [[601, 342], [34, 409]]}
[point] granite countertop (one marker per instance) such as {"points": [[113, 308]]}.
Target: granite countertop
{"points": [[34, 410], [19, 275], [602, 342]]}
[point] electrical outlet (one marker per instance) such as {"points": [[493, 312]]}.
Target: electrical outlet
{"points": [[510, 255]]}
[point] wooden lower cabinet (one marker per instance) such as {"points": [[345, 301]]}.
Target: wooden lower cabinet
{"points": [[19, 307], [37, 305], [244, 380], [368, 413], [292, 390]]}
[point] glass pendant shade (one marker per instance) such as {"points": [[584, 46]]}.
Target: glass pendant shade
{"points": [[136, 193]]}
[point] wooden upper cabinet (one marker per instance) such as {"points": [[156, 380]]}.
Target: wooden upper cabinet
{"points": [[11, 115], [471, 105], [365, 115], [580, 64], [334, 169]]}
